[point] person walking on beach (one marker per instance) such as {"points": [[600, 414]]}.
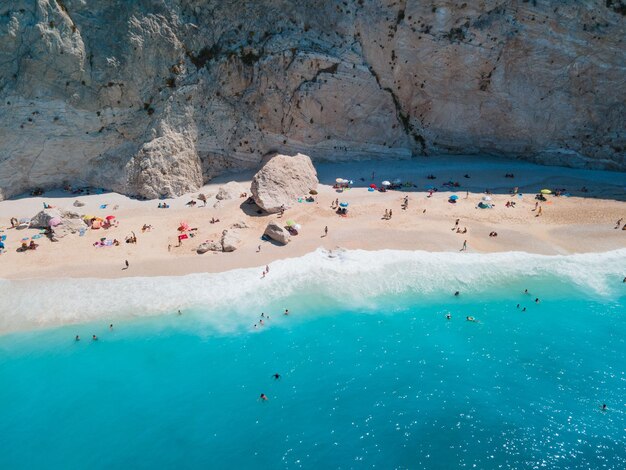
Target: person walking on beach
{"points": [[538, 212], [126, 264], [386, 216], [326, 231], [464, 245], [456, 224], [390, 213]]}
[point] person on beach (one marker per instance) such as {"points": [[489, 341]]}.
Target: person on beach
{"points": [[263, 275], [464, 245], [267, 268], [126, 264], [326, 230], [390, 213], [538, 212], [258, 249], [386, 216], [456, 224]]}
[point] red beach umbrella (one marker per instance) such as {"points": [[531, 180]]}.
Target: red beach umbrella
{"points": [[110, 217]]}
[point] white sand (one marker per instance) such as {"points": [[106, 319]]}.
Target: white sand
{"points": [[581, 223]]}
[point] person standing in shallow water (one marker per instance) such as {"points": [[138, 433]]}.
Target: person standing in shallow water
{"points": [[464, 245]]}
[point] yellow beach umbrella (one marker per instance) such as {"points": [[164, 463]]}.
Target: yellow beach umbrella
{"points": [[546, 191]]}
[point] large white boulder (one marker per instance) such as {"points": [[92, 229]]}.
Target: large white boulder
{"points": [[282, 180], [230, 240], [277, 232]]}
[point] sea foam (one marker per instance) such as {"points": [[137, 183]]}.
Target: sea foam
{"points": [[359, 279]]}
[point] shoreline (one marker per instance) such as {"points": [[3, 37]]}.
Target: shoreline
{"points": [[358, 279], [581, 223]]}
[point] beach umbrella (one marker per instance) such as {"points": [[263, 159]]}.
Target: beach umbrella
{"points": [[110, 217], [386, 183], [343, 204], [297, 226], [184, 226], [54, 221], [87, 217], [486, 198], [454, 197], [291, 223], [545, 191], [339, 180], [373, 186]]}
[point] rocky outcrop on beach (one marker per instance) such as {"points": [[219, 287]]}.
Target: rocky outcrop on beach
{"points": [[231, 190], [277, 232], [155, 98], [230, 240], [66, 223], [281, 180]]}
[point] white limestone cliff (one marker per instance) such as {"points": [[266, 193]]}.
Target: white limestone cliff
{"points": [[154, 97]]}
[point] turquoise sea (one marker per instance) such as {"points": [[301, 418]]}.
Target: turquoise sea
{"points": [[372, 373]]}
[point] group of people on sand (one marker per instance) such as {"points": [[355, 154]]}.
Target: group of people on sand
{"points": [[405, 203], [27, 246], [618, 223]]}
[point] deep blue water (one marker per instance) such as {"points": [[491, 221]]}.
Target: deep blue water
{"points": [[397, 386]]}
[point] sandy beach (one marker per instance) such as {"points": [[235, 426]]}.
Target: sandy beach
{"points": [[583, 221]]}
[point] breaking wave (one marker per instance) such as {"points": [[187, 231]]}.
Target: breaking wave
{"points": [[355, 279]]}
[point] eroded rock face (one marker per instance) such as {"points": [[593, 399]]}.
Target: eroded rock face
{"points": [[155, 99], [277, 232], [281, 180]]}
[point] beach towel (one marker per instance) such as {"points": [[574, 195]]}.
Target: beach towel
{"points": [[35, 237]]}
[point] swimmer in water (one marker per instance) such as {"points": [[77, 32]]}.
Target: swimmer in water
{"points": [[180, 313], [263, 397], [276, 376], [470, 319], [524, 309], [94, 337], [448, 316], [111, 326], [526, 291], [517, 306], [261, 322], [286, 312], [456, 294], [537, 300], [77, 338], [262, 315]]}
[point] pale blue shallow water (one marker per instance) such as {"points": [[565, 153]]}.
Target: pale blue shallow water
{"points": [[387, 383]]}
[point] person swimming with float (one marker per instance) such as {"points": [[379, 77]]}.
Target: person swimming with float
{"points": [[470, 318]]}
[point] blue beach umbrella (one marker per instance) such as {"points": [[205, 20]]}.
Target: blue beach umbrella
{"points": [[343, 204], [454, 197]]}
